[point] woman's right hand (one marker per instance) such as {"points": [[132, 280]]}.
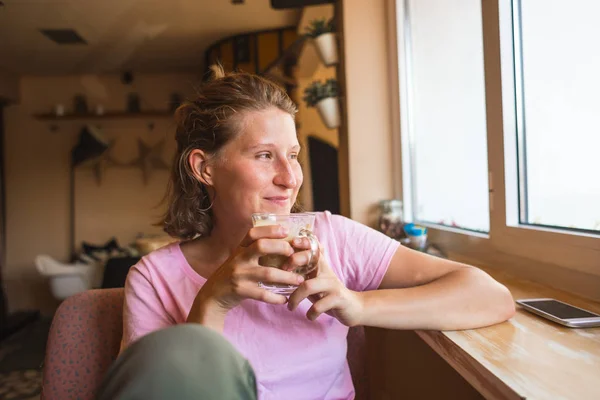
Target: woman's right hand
{"points": [[239, 276]]}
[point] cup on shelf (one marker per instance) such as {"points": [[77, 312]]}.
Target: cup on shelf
{"points": [[416, 236], [59, 110]]}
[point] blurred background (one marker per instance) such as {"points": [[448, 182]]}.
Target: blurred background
{"points": [[88, 92]]}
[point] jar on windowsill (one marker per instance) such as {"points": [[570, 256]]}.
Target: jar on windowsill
{"points": [[391, 219]]}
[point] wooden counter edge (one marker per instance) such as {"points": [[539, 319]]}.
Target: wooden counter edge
{"points": [[483, 380]]}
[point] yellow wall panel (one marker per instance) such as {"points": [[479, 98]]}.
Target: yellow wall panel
{"points": [[227, 55], [268, 43], [289, 37], [249, 66]]}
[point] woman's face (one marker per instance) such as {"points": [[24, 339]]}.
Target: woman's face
{"points": [[258, 171]]}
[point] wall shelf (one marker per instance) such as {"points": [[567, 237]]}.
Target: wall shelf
{"points": [[106, 116]]}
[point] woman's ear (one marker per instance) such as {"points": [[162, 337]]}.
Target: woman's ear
{"points": [[198, 161]]}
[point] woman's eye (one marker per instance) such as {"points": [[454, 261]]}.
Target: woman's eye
{"points": [[294, 156], [264, 156]]}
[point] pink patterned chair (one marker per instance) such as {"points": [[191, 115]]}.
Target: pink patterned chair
{"points": [[84, 340], [85, 336]]}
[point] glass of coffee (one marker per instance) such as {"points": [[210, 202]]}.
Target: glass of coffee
{"points": [[298, 225]]}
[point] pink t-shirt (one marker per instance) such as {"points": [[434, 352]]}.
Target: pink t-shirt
{"points": [[293, 358]]}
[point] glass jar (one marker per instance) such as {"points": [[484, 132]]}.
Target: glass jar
{"points": [[391, 219]]}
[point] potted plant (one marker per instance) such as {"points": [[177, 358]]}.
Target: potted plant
{"points": [[324, 96], [323, 34]]}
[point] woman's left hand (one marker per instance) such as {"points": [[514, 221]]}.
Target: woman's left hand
{"points": [[324, 289]]}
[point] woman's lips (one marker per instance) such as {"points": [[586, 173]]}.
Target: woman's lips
{"points": [[279, 200]]}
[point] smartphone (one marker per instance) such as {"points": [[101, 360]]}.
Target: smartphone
{"points": [[561, 313]]}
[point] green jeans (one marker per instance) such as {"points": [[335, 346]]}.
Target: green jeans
{"points": [[183, 362]]}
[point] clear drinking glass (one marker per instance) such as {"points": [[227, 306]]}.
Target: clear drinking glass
{"points": [[298, 225]]}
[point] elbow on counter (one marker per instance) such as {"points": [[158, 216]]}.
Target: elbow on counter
{"points": [[499, 305], [505, 305], [510, 306]]}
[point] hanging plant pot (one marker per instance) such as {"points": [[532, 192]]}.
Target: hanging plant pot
{"points": [[329, 111], [324, 96], [327, 48]]}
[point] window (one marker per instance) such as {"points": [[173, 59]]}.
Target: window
{"points": [[445, 108], [558, 112], [500, 122]]}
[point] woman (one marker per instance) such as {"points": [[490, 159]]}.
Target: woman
{"points": [[237, 154]]}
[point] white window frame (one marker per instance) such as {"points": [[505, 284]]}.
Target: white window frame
{"points": [[572, 250]]}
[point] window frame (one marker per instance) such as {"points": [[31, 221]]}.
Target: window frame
{"points": [[570, 249]]}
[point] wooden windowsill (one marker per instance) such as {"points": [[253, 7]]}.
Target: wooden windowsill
{"points": [[527, 356]]}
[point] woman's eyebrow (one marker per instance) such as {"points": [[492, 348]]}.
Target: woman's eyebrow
{"points": [[253, 147], [269, 145]]}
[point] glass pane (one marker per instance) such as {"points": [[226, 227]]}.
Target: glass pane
{"points": [[561, 107], [447, 113]]}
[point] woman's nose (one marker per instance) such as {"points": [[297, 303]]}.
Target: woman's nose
{"points": [[285, 175]]}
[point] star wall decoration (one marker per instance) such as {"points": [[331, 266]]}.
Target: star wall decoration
{"points": [[149, 158]]}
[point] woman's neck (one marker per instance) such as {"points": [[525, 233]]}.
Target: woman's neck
{"points": [[206, 254], [226, 237]]}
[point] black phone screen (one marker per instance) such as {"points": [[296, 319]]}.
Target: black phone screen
{"points": [[560, 310]]}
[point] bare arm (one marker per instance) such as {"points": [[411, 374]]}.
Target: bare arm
{"points": [[420, 291]]}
